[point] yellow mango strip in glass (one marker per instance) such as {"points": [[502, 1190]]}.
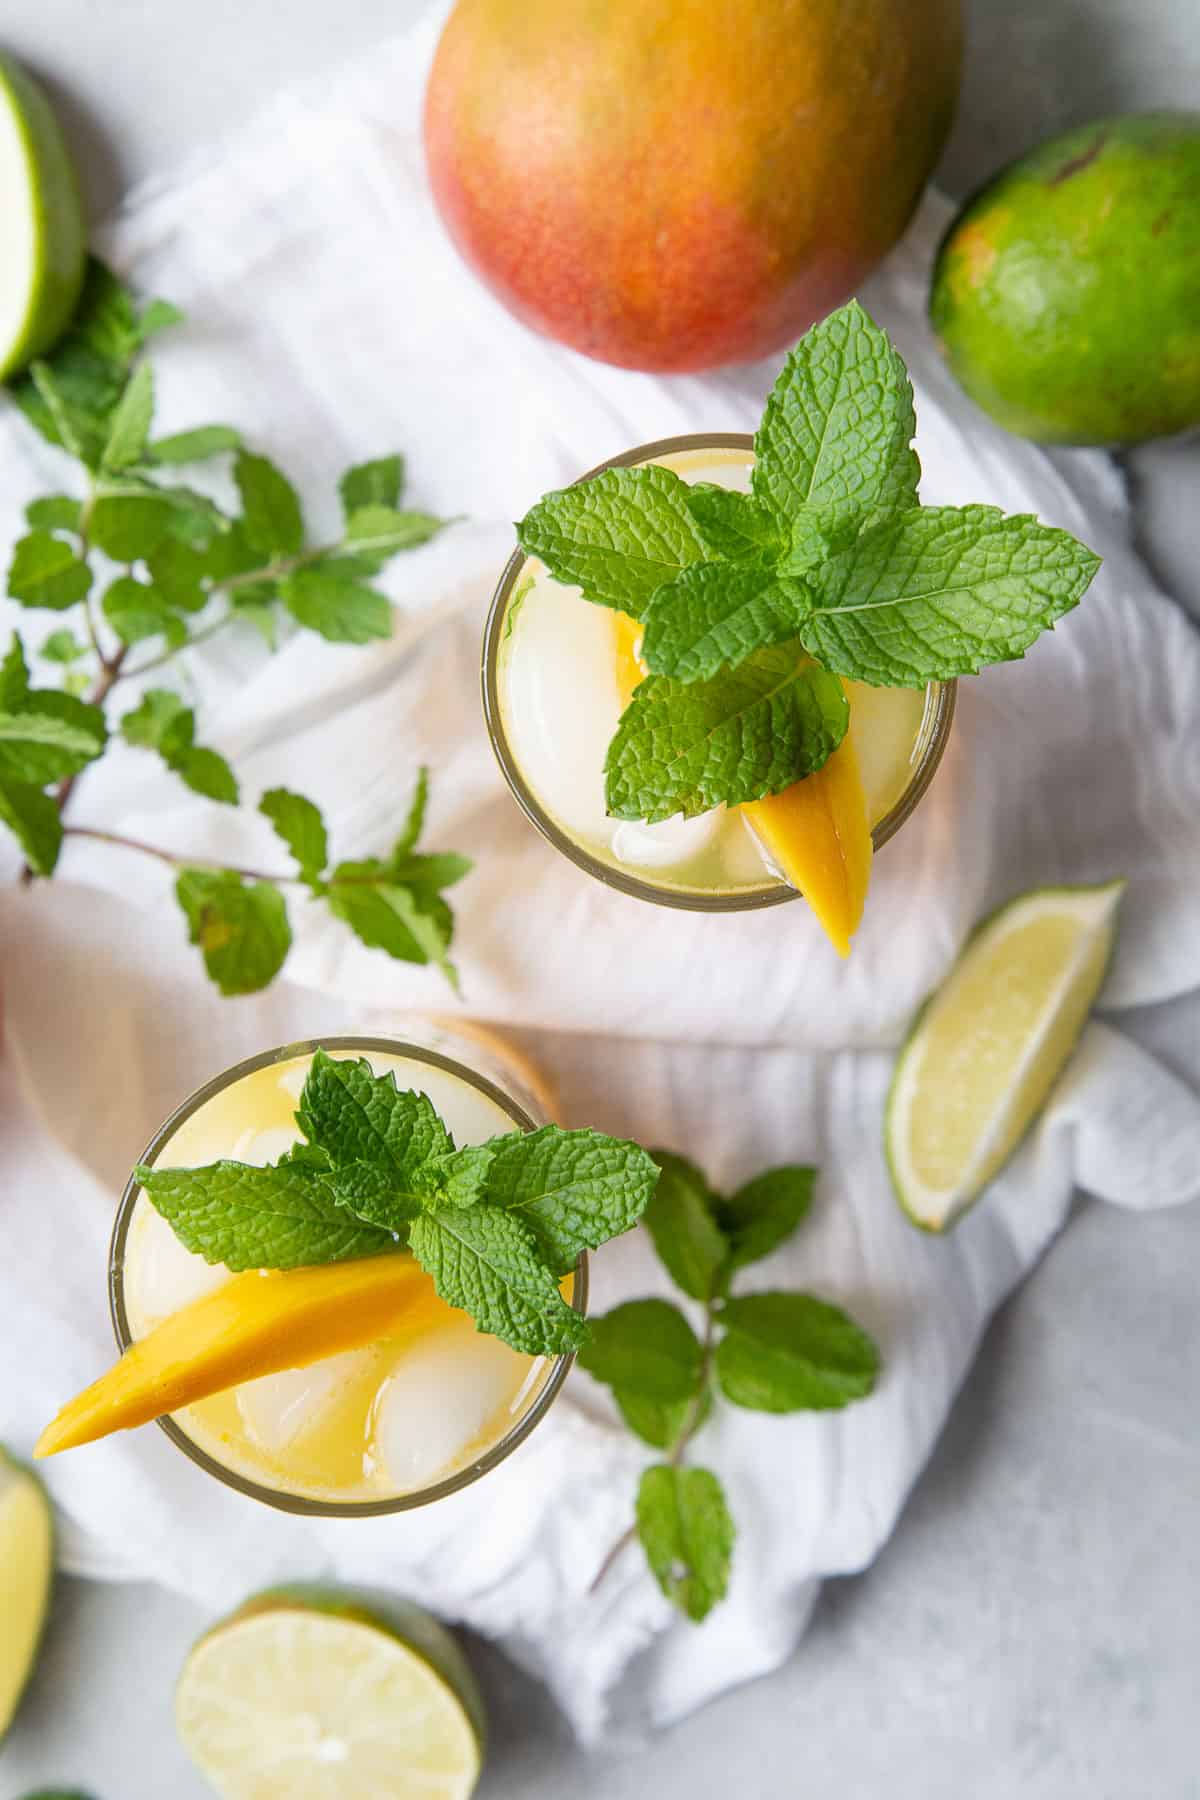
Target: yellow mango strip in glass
{"points": [[257, 1324], [818, 834], [627, 641]]}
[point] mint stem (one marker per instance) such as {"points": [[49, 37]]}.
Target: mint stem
{"points": [[687, 1431], [178, 862]]}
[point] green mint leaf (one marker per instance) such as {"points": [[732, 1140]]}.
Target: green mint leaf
{"points": [[299, 823], [408, 923], [62, 647], [336, 606], [619, 536], [137, 611], [523, 591], [206, 772], [381, 531], [192, 518], [158, 315], [356, 1116], [659, 1422], [46, 572], [645, 1347], [754, 730], [377, 483], [429, 874], [130, 426], [463, 1175], [414, 823], [241, 928], [273, 521], [228, 553], [194, 446], [835, 424], [129, 526], [785, 1352], [810, 545], [178, 572], [160, 721], [574, 1189], [46, 744], [248, 1218], [105, 320], [682, 1220], [487, 1262], [715, 615], [70, 405], [765, 1212], [14, 676], [55, 512], [735, 525], [943, 591], [686, 1530], [34, 820]]}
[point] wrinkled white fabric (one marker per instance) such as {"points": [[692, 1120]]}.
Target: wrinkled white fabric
{"points": [[332, 321]]}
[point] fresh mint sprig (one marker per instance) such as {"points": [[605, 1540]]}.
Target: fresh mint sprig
{"points": [[778, 1352], [829, 563], [140, 563], [495, 1225]]}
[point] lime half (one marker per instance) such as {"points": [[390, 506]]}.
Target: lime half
{"points": [[989, 1045], [43, 239], [312, 1693], [26, 1567]]}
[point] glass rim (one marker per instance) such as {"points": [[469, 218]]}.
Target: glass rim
{"points": [[303, 1503], [935, 730]]}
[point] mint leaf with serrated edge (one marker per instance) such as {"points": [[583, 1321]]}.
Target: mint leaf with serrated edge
{"points": [[786, 1352], [412, 924], [337, 605], [40, 746], [764, 1212], [271, 512], [574, 1189], [129, 526], [240, 927], [299, 823], [685, 1528], [14, 676], [835, 423], [414, 823], [46, 572], [34, 820], [55, 512], [753, 731], [136, 611], [682, 1219], [284, 1217], [376, 483], [660, 1422], [736, 525], [618, 536], [131, 421], [196, 445], [713, 616], [644, 1347], [941, 592], [382, 530], [487, 1261], [162, 722], [357, 1116]]}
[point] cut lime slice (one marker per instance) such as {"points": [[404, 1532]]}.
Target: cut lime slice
{"points": [[312, 1693], [43, 239], [26, 1566], [989, 1045]]}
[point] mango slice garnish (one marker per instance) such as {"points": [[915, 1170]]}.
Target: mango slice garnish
{"points": [[257, 1324], [818, 834]]}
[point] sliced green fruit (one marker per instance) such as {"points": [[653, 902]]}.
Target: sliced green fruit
{"points": [[43, 238], [989, 1045], [323, 1693], [26, 1568]]}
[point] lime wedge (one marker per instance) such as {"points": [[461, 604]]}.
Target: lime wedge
{"points": [[26, 1566], [43, 239], [989, 1045], [311, 1693]]}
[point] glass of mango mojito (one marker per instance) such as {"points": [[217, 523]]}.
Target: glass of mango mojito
{"points": [[719, 672], [348, 1278]]}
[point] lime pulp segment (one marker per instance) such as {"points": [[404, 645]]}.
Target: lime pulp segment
{"points": [[26, 1565]]}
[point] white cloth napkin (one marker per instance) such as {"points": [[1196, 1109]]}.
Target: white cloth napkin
{"points": [[331, 320]]}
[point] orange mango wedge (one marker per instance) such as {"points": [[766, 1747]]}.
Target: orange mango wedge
{"points": [[627, 642], [257, 1324], [818, 834]]}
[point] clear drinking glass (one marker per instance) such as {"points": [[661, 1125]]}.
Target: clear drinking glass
{"points": [[486, 1065], [930, 744]]}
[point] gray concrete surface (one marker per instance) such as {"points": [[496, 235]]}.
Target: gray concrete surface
{"points": [[1032, 1628]]}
